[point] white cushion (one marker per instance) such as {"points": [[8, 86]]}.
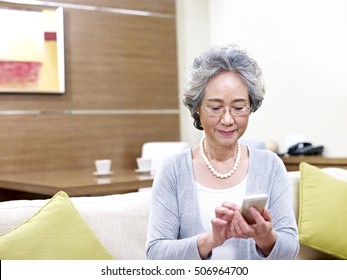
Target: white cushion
{"points": [[338, 173], [295, 181], [119, 221]]}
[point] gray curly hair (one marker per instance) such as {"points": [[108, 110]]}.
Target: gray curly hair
{"points": [[215, 61]]}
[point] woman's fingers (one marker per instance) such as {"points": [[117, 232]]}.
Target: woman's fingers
{"points": [[240, 227], [231, 206], [223, 213]]}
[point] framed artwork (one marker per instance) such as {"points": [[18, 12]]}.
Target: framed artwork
{"points": [[31, 49]]}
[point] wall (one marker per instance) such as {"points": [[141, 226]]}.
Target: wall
{"points": [[121, 91], [193, 37], [302, 50]]}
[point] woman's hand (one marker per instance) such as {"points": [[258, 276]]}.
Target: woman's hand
{"points": [[221, 223], [229, 223], [261, 231], [221, 226]]}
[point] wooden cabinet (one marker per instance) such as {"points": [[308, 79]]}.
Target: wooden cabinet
{"points": [[292, 162]]}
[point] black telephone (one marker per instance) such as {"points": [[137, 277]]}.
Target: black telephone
{"points": [[305, 148]]}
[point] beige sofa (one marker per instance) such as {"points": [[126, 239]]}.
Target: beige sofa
{"points": [[120, 221]]}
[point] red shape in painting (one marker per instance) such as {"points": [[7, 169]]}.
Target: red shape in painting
{"points": [[21, 72], [50, 36]]}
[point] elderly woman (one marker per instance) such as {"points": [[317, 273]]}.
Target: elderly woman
{"points": [[197, 194]]}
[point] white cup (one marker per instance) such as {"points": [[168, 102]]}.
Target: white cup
{"points": [[103, 166], [143, 164]]}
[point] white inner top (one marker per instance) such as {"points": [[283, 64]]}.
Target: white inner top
{"points": [[209, 199]]}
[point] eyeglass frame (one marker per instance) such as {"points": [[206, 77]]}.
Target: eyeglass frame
{"points": [[219, 115]]}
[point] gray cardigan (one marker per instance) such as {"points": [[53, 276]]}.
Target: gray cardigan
{"points": [[174, 220]]}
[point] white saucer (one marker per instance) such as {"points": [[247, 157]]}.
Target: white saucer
{"points": [[102, 173], [142, 171]]}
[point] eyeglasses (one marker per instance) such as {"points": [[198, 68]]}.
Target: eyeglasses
{"points": [[235, 111]]}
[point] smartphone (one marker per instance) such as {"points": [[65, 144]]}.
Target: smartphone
{"points": [[257, 201]]}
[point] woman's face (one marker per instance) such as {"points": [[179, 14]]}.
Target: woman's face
{"points": [[227, 90]]}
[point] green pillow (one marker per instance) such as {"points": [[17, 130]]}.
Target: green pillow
{"points": [[323, 211], [56, 231]]}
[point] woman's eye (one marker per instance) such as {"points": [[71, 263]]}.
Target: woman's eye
{"points": [[216, 109], [238, 108]]}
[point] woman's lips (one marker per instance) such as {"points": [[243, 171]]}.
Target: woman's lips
{"points": [[226, 133]]}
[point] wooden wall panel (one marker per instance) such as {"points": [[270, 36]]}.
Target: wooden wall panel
{"points": [[125, 59], [114, 61], [53, 142], [155, 6]]}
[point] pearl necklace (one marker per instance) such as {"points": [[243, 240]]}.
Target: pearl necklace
{"points": [[210, 167]]}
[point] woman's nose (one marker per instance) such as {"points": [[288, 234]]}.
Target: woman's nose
{"points": [[227, 118]]}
